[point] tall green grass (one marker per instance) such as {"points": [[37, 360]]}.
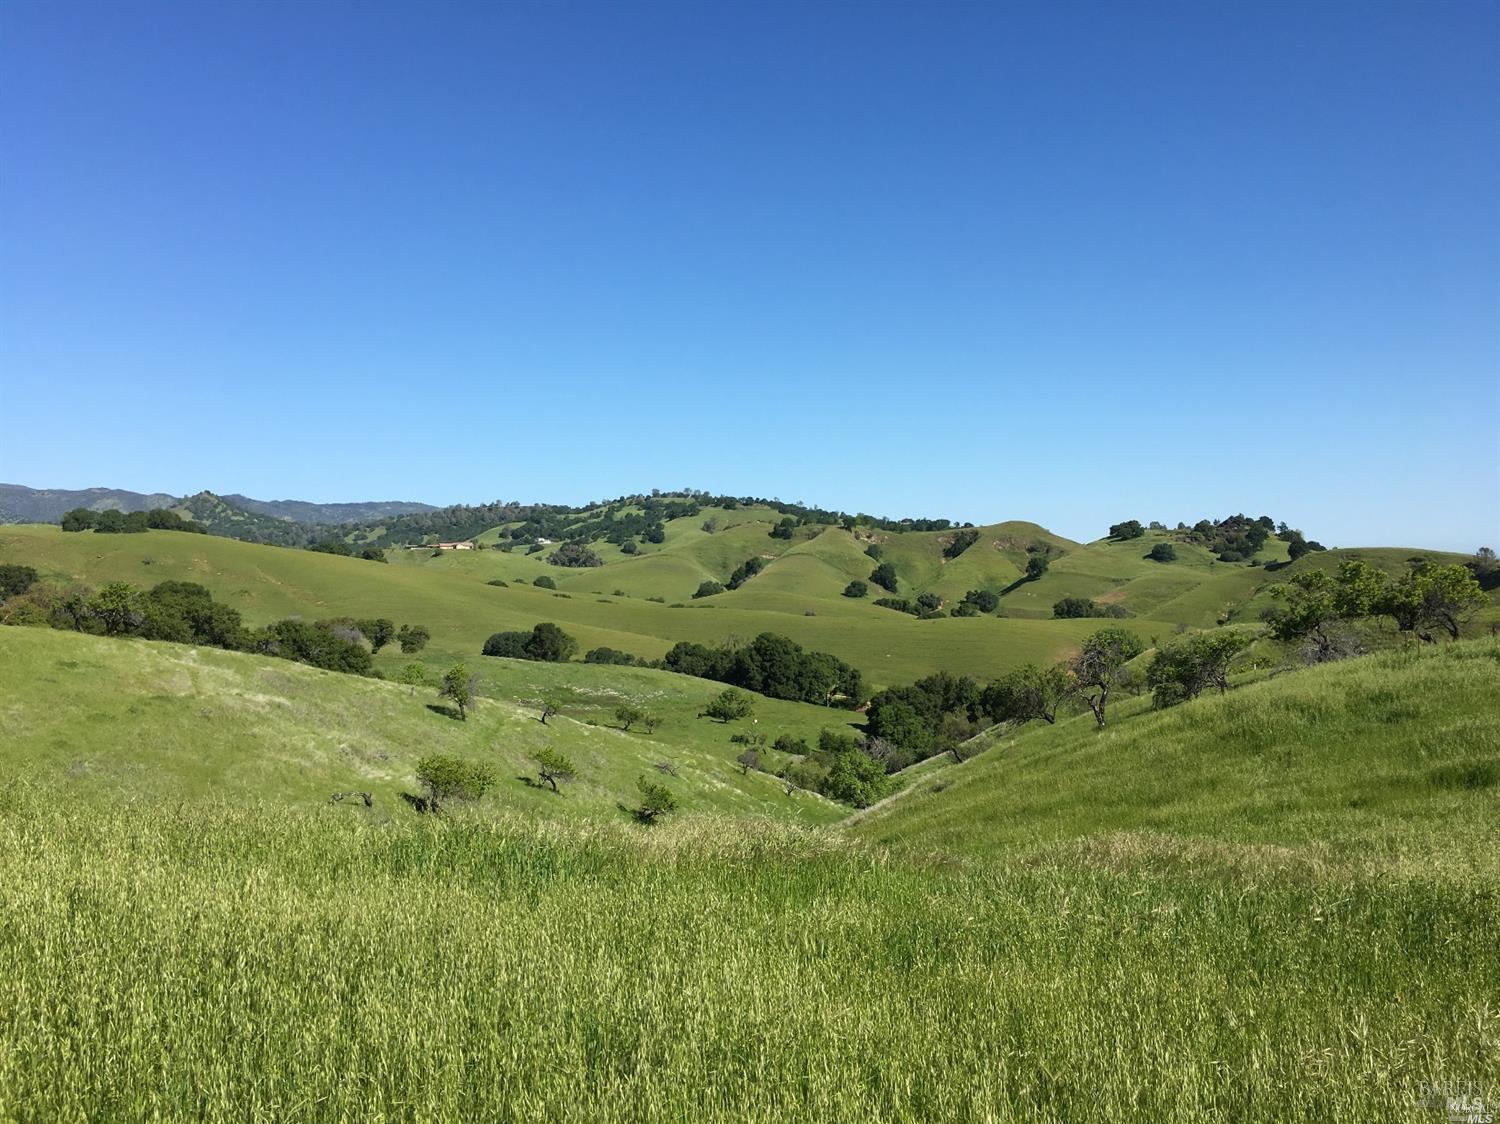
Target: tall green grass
{"points": [[242, 963]]}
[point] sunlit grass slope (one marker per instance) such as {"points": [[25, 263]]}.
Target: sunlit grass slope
{"points": [[240, 961], [123, 719], [1389, 756], [1195, 590], [1278, 905]]}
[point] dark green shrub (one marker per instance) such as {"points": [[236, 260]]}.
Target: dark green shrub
{"points": [[961, 542], [511, 645], [550, 644], [745, 571], [607, 656], [574, 555], [982, 599], [656, 801], [452, 778], [15, 580]]}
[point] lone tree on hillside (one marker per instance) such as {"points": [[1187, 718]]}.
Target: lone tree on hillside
{"points": [[1130, 529], [749, 759], [708, 589], [1310, 603], [412, 638], [627, 716], [884, 575], [116, 607], [552, 766], [575, 555], [856, 588], [1099, 666], [730, 705], [413, 675], [458, 688], [452, 778], [1027, 693], [1163, 552], [1485, 568], [1431, 597], [656, 801], [1183, 671], [550, 644], [379, 631], [552, 703], [1036, 566]]}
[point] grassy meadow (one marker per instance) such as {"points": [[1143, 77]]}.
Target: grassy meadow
{"points": [[1278, 904], [243, 962]]}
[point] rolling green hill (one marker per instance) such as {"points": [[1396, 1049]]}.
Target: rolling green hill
{"points": [[644, 603], [1278, 904], [450, 596], [1390, 759], [1196, 914], [112, 720]]}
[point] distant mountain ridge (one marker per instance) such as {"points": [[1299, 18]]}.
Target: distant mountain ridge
{"points": [[20, 504], [304, 511], [218, 516]]}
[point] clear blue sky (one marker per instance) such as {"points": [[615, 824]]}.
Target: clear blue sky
{"points": [[1072, 263]]}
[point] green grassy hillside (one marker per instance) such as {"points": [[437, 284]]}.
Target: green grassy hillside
{"points": [[112, 720], [1392, 757], [1195, 590], [450, 596], [1278, 905]]}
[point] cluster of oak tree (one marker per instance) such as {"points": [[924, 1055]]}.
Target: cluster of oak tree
{"points": [[186, 613], [113, 522], [1235, 538], [1320, 610]]}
